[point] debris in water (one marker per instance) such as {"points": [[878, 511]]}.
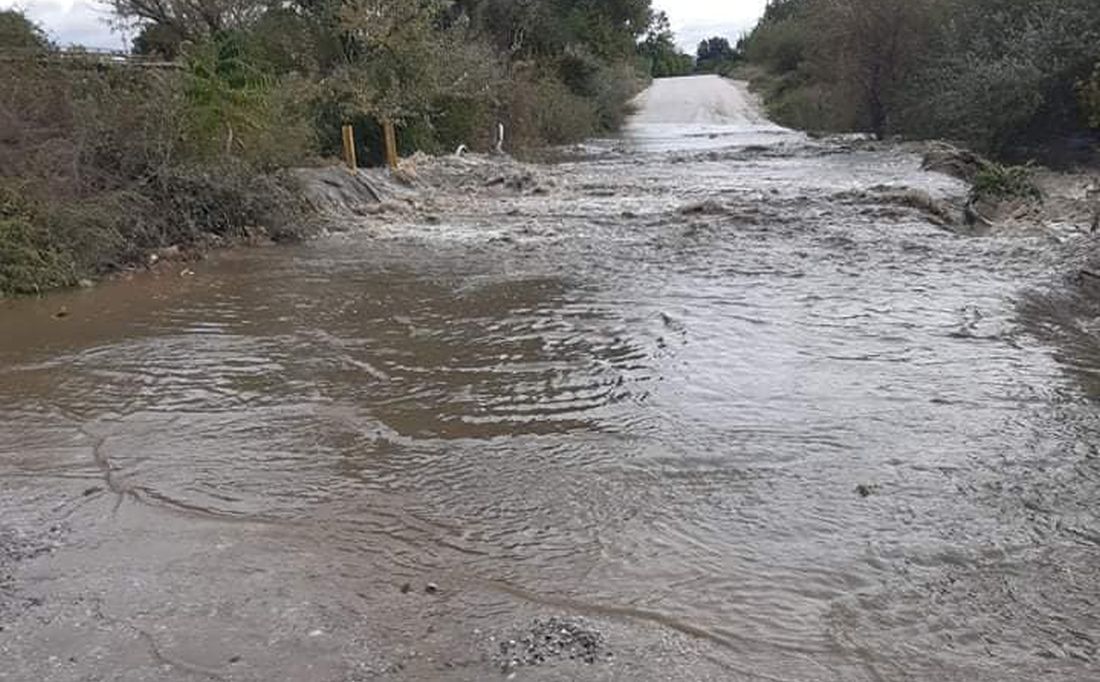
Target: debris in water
{"points": [[553, 638], [707, 207], [866, 490]]}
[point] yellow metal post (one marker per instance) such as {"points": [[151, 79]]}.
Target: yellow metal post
{"points": [[349, 147], [390, 135]]}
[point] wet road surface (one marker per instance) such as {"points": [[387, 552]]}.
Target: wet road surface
{"points": [[708, 388]]}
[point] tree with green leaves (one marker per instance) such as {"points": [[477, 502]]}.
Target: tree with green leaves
{"points": [[190, 19], [17, 32], [714, 55], [989, 73], [660, 52]]}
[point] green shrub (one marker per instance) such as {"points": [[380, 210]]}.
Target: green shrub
{"points": [[561, 115], [1088, 91], [457, 120], [992, 74], [228, 200], [997, 182], [614, 87], [30, 260], [234, 108]]}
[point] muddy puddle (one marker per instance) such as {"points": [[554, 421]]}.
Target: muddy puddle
{"points": [[714, 409]]}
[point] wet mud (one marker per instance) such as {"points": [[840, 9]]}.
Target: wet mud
{"points": [[716, 399]]}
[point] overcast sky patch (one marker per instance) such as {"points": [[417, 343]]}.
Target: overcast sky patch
{"points": [[87, 22]]}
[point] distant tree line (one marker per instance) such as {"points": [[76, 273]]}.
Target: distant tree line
{"points": [[663, 58], [995, 74]]}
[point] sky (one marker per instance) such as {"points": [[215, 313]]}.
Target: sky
{"points": [[84, 22], [696, 20]]}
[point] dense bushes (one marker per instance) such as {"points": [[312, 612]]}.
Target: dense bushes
{"points": [[990, 73], [29, 258], [101, 162], [99, 165]]}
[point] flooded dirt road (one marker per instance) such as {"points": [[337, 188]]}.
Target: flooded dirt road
{"points": [[708, 402]]}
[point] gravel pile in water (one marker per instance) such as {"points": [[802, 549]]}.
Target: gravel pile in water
{"points": [[553, 639], [15, 547]]}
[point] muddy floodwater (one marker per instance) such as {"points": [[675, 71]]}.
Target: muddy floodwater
{"points": [[704, 402]]}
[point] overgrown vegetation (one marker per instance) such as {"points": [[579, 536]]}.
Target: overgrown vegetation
{"points": [[716, 55], [659, 53], [993, 74], [996, 182], [103, 162], [663, 58]]}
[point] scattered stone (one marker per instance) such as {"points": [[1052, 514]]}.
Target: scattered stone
{"points": [[86, 284], [866, 490], [552, 639]]}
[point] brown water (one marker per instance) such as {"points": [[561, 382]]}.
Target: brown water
{"points": [[646, 398]]}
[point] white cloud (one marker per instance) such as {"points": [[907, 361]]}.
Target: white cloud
{"points": [[696, 20], [72, 22], [86, 22]]}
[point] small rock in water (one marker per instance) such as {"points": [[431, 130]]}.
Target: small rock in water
{"points": [[406, 588], [61, 313], [866, 490], [431, 588], [86, 284]]}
